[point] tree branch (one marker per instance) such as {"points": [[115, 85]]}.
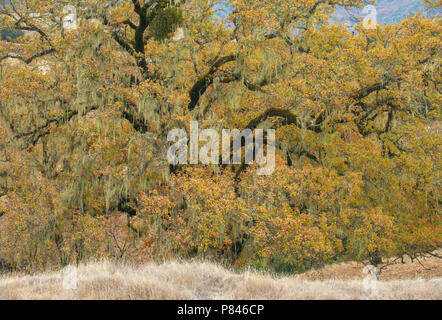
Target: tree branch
{"points": [[201, 86], [273, 112], [30, 59], [137, 123], [43, 130]]}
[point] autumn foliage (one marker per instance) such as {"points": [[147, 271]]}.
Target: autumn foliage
{"points": [[84, 117]]}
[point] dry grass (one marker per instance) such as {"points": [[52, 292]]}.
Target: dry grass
{"points": [[426, 268], [194, 280]]}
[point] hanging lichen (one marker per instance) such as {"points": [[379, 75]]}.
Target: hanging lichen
{"points": [[166, 23]]}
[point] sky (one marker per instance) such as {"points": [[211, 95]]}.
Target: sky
{"points": [[388, 11]]}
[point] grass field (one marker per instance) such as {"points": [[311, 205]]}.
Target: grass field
{"points": [[193, 280]]}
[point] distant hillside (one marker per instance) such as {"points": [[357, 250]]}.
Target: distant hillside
{"points": [[389, 11], [10, 34]]}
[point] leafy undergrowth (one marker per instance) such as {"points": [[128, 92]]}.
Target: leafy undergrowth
{"points": [[202, 280]]}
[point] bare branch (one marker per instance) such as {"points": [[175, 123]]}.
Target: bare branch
{"points": [[131, 24], [30, 59]]}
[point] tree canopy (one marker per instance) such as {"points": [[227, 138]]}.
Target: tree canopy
{"points": [[85, 114]]}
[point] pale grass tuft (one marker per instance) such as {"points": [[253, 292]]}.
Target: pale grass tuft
{"points": [[201, 280]]}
